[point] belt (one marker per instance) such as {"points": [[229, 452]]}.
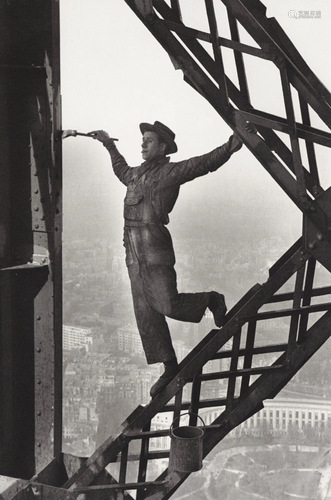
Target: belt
{"points": [[140, 223]]}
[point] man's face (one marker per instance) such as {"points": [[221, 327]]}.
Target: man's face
{"points": [[151, 146]]}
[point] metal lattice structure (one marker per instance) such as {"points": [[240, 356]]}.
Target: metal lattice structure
{"points": [[304, 303], [30, 236]]}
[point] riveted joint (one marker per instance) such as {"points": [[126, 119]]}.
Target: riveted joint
{"points": [[306, 203], [151, 18], [179, 382], [239, 323], [35, 490], [227, 425], [288, 365], [316, 190]]}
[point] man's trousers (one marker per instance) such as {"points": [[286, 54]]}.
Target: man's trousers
{"points": [[155, 295]]}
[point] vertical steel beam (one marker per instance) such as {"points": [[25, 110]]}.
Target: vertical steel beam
{"points": [[176, 9], [124, 464], [145, 7], [223, 93], [250, 340], [309, 145], [306, 300], [298, 167], [30, 235], [233, 367], [143, 462], [195, 398], [239, 59], [292, 338]]}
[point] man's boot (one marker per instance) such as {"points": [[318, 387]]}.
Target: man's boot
{"points": [[217, 307], [170, 370]]}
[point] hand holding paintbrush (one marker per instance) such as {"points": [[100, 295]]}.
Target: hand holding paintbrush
{"points": [[95, 135]]}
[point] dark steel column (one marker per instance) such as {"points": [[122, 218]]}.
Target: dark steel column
{"points": [[30, 237]]}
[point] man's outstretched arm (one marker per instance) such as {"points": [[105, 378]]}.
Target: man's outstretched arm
{"points": [[187, 170], [119, 164]]}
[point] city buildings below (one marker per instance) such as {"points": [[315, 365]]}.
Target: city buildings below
{"points": [[105, 372], [128, 340], [76, 337], [281, 416]]}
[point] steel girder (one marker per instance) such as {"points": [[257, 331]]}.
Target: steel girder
{"points": [[248, 384], [30, 227], [307, 313], [206, 74]]}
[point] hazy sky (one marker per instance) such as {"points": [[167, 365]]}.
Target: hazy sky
{"points": [[116, 75]]}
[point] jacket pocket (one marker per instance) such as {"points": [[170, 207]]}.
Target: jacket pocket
{"points": [[133, 207]]}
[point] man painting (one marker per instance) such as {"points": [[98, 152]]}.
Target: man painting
{"points": [[152, 191]]}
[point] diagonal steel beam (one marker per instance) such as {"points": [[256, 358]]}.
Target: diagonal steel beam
{"points": [[298, 167], [223, 93], [243, 85], [248, 404], [199, 356], [257, 146], [273, 141], [257, 27]]}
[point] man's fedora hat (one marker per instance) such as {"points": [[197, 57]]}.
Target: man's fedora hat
{"points": [[164, 132]]}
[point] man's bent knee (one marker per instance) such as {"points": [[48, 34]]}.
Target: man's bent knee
{"points": [[164, 307]]}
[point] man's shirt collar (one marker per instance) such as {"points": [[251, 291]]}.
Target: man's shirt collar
{"points": [[160, 160]]}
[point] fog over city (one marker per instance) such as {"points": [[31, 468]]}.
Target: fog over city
{"points": [[116, 75]]}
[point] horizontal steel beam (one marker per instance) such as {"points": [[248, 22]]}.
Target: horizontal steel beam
{"points": [[281, 124], [249, 403], [258, 28], [283, 313], [93, 490], [181, 29], [255, 351], [316, 292], [242, 372]]}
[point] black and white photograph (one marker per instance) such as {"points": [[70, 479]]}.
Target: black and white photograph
{"points": [[165, 250]]}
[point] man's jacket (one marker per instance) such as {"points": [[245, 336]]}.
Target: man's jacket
{"points": [[152, 191]]}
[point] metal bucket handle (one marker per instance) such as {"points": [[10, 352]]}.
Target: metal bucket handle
{"points": [[187, 413]]}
